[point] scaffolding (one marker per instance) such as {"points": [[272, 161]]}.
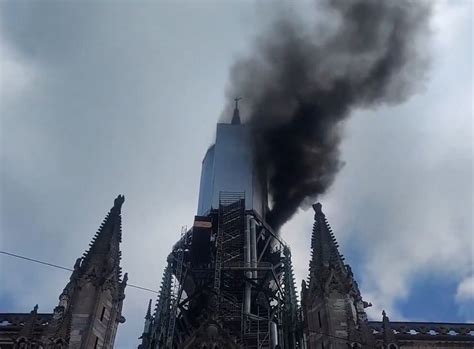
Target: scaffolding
{"points": [[229, 251], [243, 283], [177, 286]]}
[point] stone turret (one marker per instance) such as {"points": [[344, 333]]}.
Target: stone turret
{"points": [[334, 315]]}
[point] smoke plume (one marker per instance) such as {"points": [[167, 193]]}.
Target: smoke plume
{"points": [[303, 80]]}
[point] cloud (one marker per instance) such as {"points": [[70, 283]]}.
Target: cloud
{"points": [[15, 75], [465, 291], [465, 298]]}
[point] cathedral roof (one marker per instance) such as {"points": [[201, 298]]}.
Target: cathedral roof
{"points": [[16, 325]]}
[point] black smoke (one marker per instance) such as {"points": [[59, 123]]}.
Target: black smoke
{"points": [[303, 79]]}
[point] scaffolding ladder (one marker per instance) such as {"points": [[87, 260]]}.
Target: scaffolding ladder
{"points": [[228, 244]]}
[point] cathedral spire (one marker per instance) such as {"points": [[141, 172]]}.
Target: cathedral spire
{"points": [[236, 116], [325, 256], [103, 256], [333, 306], [91, 304]]}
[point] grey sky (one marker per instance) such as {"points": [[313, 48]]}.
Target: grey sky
{"points": [[101, 98]]}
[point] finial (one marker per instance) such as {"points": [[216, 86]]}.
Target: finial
{"points": [[35, 309], [236, 116], [385, 317], [236, 100], [317, 207], [78, 263], [119, 201], [125, 279]]}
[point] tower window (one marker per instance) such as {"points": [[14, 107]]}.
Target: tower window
{"points": [[319, 319], [102, 314], [96, 344]]}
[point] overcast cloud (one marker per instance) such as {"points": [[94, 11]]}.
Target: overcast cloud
{"points": [[103, 98]]}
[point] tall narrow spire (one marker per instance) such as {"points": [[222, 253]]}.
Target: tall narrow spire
{"points": [[104, 251], [332, 302], [236, 116], [324, 249], [94, 297]]}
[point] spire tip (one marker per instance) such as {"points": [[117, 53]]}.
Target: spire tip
{"points": [[236, 116], [118, 202], [148, 312], [317, 207]]}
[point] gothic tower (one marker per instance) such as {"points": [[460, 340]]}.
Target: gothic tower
{"points": [[333, 310], [90, 306]]}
